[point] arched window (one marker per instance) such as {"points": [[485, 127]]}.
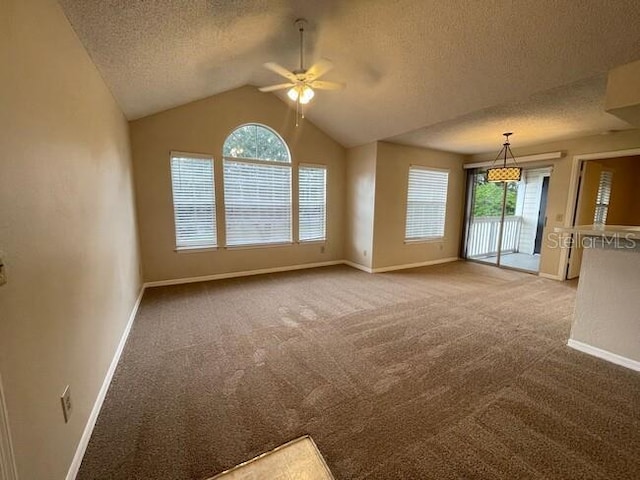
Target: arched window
{"points": [[257, 187], [256, 142]]}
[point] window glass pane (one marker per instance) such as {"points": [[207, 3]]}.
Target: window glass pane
{"points": [[426, 203], [257, 143], [193, 201], [257, 203], [603, 198], [313, 203]]}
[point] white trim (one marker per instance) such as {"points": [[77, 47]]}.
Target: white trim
{"points": [[572, 199], [630, 152], [245, 273], [93, 416], [604, 355], [524, 159], [415, 265], [418, 166], [304, 266], [203, 156], [8, 469], [199, 249], [410, 241], [251, 246], [312, 165], [550, 276], [357, 266]]}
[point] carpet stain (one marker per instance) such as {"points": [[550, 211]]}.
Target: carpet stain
{"points": [[231, 383], [260, 356], [308, 313]]}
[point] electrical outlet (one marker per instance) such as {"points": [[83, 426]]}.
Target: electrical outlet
{"points": [[322, 249], [66, 404], [364, 252]]}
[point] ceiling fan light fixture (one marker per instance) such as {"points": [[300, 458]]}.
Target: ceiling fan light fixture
{"points": [[302, 82], [306, 94], [301, 93], [293, 94]]}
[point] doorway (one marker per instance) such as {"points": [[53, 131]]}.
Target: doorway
{"points": [[606, 187], [505, 222]]}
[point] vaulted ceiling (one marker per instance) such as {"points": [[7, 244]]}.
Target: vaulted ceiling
{"points": [[443, 74]]}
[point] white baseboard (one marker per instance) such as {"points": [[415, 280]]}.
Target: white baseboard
{"points": [[8, 470], [93, 416], [550, 276], [415, 265], [245, 273], [604, 355], [358, 266]]}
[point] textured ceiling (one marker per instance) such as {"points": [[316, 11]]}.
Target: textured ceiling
{"points": [[556, 114], [408, 64]]}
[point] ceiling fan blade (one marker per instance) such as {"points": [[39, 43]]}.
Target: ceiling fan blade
{"points": [[280, 70], [323, 85], [272, 88], [318, 69]]}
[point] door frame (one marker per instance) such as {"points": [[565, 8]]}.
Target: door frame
{"points": [[8, 470], [469, 199], [574, 193]]}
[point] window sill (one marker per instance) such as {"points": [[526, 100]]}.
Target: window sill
{"points": [[199, 249], [260, 246], [312, 242], [425, 240]]}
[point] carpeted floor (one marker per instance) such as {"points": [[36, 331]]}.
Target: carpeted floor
{"points": [[458, 371]]}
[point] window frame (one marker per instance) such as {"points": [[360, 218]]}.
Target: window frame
{"points": [[255, 161], [204, 247], [326, 201], [429, 239]]}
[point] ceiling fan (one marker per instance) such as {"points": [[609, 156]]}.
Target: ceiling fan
{"points": [[302, 82]]}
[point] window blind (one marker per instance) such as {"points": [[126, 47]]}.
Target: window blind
{"points": [[312, 188], [426, 203], [193, 201], [603, 198], [257, 202]]}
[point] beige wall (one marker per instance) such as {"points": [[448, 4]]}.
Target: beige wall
{"points": [[558, 196], [392, 174], [606, 313], [360, 204], [67, 232], [202, 127]]}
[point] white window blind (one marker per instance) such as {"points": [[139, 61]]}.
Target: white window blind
{"points": [[193, 200], [257, 203], [312, 188], [603, 198], [257, 187], [426, 203]]}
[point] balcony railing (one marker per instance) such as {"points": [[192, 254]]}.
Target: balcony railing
{"points": [[483, 236]]}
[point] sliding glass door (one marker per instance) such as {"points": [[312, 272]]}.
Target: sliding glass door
{"points": [[505, 221]]}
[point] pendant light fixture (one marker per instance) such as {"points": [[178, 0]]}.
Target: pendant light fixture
{"points": [[505, 173]]}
